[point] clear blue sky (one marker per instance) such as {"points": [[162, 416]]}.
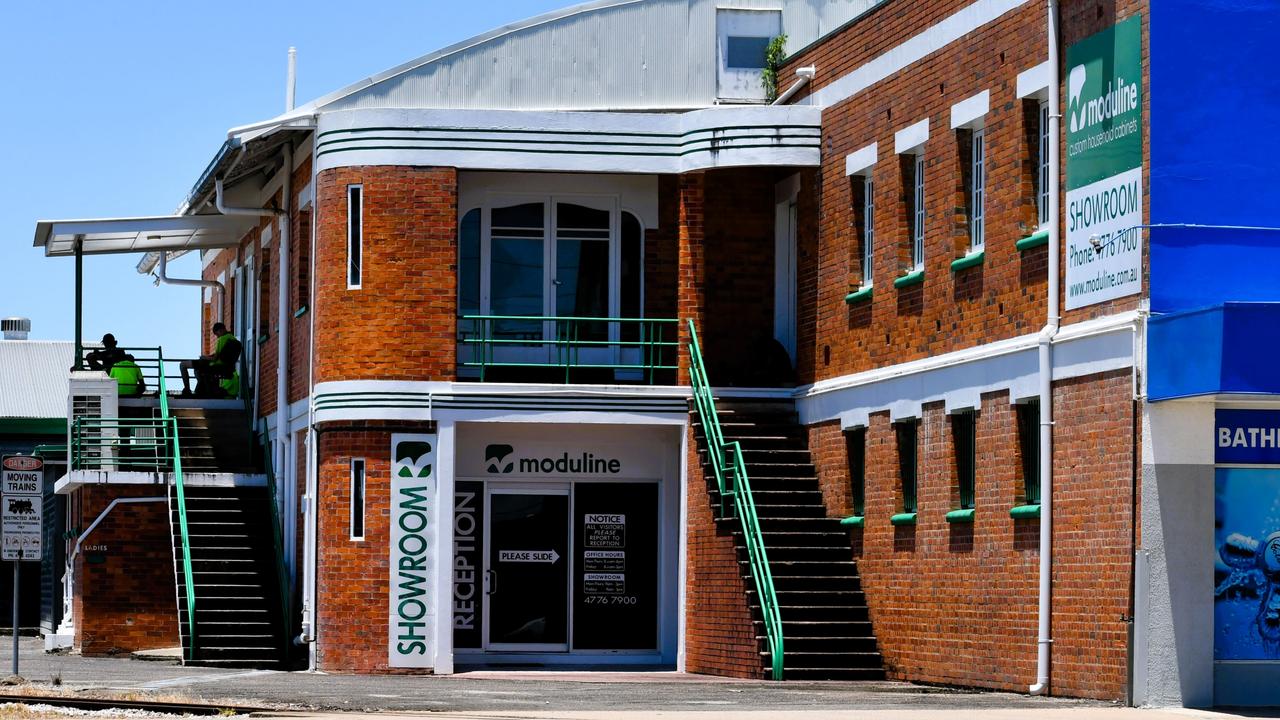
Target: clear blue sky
{"points": [[114, 109]]}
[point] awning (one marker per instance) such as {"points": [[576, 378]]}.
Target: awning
{"points": [[141, 234]]}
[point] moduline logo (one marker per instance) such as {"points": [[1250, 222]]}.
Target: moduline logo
{"points": [[413, 459], [1117, 98], [496, 462]]}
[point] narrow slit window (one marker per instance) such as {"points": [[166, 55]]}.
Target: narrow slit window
{"points": [[868, 230], [303, 269], [856, 447], [977, 190], [355, 235], [357, 498], [1042, 171], [964, 440], [908, 457], [1029, 445]]}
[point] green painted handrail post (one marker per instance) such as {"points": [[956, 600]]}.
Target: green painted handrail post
{"points": [[732, 479], [171, 426]]}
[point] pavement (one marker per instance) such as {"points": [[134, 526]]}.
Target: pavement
{"points": [[546, 695]]}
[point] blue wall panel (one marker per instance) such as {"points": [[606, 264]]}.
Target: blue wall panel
{"points": [[1198, 267], [1215, 112], [1231, 348]]}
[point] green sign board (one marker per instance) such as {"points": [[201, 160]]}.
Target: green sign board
{"points": [[1103, 118]]}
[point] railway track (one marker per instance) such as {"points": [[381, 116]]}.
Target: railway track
{"points": [[159, 707]]}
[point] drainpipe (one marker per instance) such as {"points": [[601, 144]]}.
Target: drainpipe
{"points": [[282, 296], [1045, 639], [803, 76], [163, 276]]}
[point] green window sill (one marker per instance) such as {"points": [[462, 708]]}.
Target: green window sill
{"points": [[1034, 240], [1021, 512], [968, 261], [858, 296], [912, 278], [300, 312], [964, 515], [852, 521], [903, 519]]}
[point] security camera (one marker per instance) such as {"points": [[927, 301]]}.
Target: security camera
{"points": [[1096, 242]]}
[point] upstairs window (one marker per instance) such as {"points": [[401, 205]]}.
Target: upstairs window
{"points": [[741, 39], [1042, 163], [303, 260], [868, 230], [976, 192], [355, 236]]}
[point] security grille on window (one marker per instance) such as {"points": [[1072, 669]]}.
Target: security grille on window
{"points": [[1042, 176], [977, 190], [917, 214], [868, 229], [355, 235], [1029, 445], [908, 435], [964, 439]]}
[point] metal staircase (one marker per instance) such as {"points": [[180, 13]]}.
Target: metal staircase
{"points": [[811, 618]]}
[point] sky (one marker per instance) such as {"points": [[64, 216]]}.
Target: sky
{"points": [[114, 109]]}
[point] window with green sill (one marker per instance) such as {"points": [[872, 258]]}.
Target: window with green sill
{"points": [[855, 443], [908, 435], [964, 440], [1029, 449]]}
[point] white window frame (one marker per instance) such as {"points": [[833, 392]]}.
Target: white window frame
{"points": [[362, 478], [868, 230], [917, 222], [1042, 167], [977, 189], [355, 231]]}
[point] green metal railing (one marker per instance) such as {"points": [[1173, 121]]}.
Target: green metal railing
{"points": [[142, 444], [278, 538], [188, 576], [733, 482], [642, 345]]}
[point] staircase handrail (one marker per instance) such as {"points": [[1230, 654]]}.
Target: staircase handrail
{"points": [[277, 537], [731, 478], [187, 575]]}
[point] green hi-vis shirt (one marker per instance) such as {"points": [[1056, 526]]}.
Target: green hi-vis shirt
{"points": [[128, 376], [218, 345]]}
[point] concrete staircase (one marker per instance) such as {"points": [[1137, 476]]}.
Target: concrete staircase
{"points": [[827, 633]]}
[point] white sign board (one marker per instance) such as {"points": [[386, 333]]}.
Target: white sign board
{"points": [[21, 508], [1104, 244], [412, 619]]}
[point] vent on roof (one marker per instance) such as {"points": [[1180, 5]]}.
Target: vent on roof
{"points": [[15, 328]]}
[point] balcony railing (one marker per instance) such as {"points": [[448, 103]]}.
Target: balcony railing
{"points": [[576, 349]]}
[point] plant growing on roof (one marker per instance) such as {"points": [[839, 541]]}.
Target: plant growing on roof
{"points": [[773, 57]]}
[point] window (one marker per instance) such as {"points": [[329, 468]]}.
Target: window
{"points": [[302, 259], [1029, 445], [631, 290], [357, 498], [964, 440], [913, 191], [264, 294], [868, 229], [1042, 174], [977, 190], [908, 434], [745, 52], [855, 442], [469, 263], [355, 235]]}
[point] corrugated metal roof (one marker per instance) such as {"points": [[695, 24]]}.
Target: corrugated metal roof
{"points": [[33, 383]]}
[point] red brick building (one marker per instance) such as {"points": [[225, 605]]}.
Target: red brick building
{"points": [[475, 375]]}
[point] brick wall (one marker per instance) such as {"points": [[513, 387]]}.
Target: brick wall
{"points": [[719, 634], [956, 603], [401, 324], [128, 601], [1001, 298], [354, 574]]}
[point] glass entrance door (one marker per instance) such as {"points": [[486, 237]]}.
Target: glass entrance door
{"points": [[527, 574]]}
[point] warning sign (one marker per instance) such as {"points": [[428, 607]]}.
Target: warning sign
{"points": [[21, 508]]}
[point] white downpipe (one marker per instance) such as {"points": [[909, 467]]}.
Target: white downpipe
{"points": [[1045, 638], [163, 276], [309, 542], [803, 76]]}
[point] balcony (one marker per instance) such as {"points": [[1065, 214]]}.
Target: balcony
{"points": [[562, 349]]}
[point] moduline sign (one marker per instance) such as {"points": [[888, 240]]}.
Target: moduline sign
{"points": [[1104, 165], [412, 620]]}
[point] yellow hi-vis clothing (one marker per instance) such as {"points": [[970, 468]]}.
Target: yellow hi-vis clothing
{"points": [[128, 376], [231, 385]]}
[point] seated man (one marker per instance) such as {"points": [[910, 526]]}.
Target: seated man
{"points": [[106, 357], [128, 376], [216, 374]]}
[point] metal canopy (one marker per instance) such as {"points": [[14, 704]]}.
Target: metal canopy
{"points": [[141, 234]]}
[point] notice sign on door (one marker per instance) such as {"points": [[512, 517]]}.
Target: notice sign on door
{"points": [[605, 530], [21, 508]]}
